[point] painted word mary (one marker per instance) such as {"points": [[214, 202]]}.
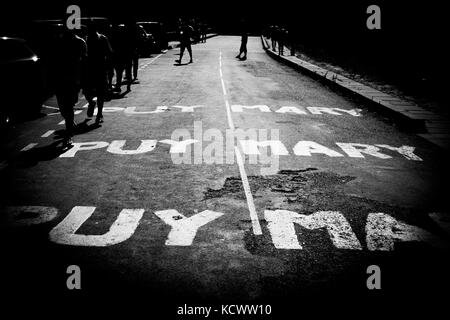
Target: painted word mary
{"points": [[296, 110], [249, 147]]}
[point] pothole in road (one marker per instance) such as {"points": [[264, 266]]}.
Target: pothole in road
{"points": [[291, 185]]}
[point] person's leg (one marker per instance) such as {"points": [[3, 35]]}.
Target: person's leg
{"points": [[241, 50], [100, 103], [89, 94], [189, 48], [63, 99], [135, 66], [69, 119], [100, 88], [128, 68], [119, 74], [182, 47]]}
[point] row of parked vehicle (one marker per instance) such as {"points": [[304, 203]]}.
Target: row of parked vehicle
{"points": [[24, 61]]}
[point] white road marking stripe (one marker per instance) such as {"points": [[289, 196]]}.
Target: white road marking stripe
{"points": [[50, 107], [153, 60], [48, 134], [62, 122], [223, 87], [248, 193], [28, 147], [56, 113]]}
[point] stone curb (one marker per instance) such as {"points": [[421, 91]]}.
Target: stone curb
{"points": [[426, 124]]}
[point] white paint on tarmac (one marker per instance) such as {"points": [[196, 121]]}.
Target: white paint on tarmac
{"points": [[183, 229], [48, 134], [281, 226], [240, 108], [251, 147], [29, 147], [122, 229], [154, 59], [307, 148], [248, 194], [178, 146], [50, 107], [357, 150], [383, 231], [287, 109], [58, 113], [132, 110], [116, 147], [79, 146], [406, 151], [187, 108]]}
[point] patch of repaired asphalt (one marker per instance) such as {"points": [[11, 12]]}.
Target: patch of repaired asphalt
{"points": [[319, 265]]}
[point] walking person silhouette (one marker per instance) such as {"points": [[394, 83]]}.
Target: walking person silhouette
{"points": [[96, 77], [69, 56], [244, 39], [186, 33]]}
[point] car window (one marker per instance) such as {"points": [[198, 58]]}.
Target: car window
{"points": [[151, 28], [14, 50]]}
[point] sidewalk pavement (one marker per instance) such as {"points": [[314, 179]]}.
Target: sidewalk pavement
{"points": [[428, 125], [176, 44]]}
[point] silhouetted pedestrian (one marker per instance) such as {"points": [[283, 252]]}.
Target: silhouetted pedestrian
{"points": [[280, 39], [273, 35], [203, 30], [123, 56], [96, 77], [244, 39], [68, 58], [136, 40], [185, 34]]}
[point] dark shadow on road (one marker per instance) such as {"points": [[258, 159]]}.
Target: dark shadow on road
{"points": [[32, 157], [80, 128], [119, 95]]}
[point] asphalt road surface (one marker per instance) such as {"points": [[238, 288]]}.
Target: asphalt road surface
{"points": [[160, 200]]}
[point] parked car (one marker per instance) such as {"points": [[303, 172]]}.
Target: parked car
{"points": [[21, 81], [147, 43], [157, 30]]}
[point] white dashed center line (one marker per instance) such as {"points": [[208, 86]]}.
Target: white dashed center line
{"points": [[248, 193], [48, 134]]}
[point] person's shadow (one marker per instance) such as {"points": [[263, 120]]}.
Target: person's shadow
{"points": [[32, 157], [120, 95], [80, 128]]}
